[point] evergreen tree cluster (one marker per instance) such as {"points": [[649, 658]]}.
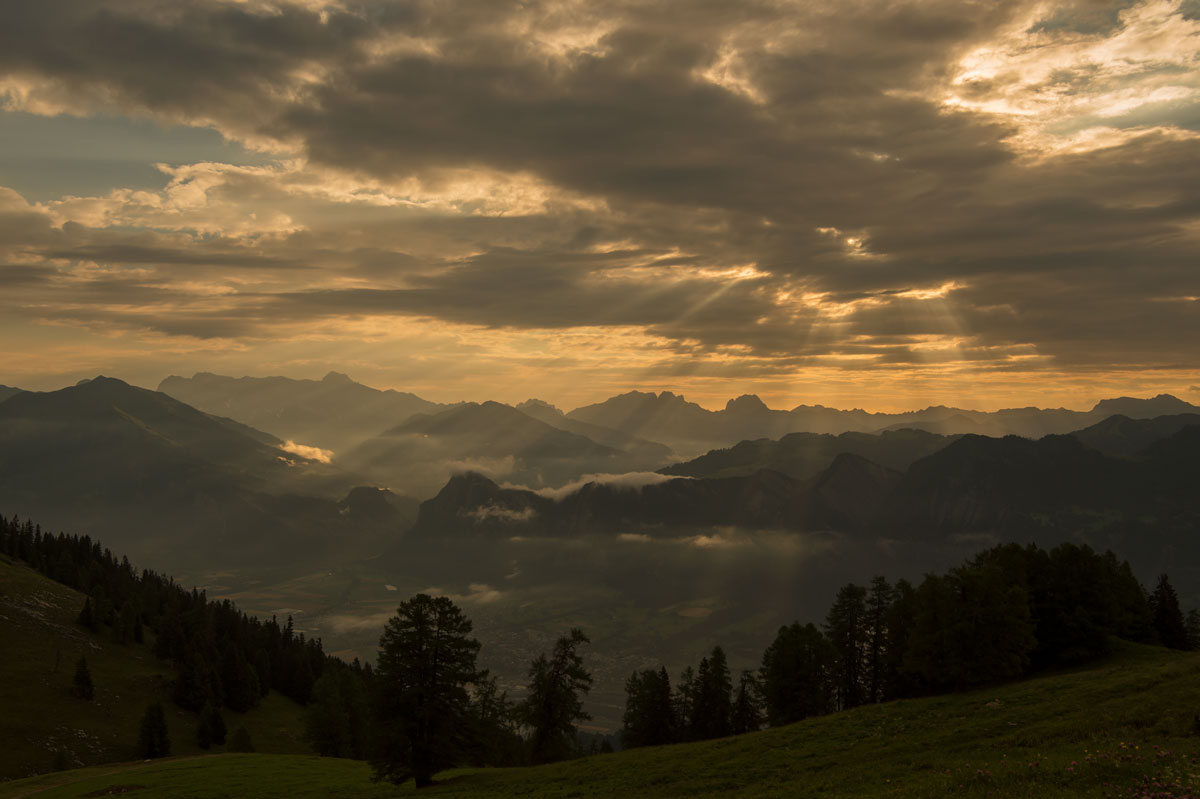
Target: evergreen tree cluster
{"points": [[704, 704], [1009, 611], [223, 657]]}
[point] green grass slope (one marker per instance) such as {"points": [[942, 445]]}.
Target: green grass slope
{"points": [[1123, 729], [42, 723]]}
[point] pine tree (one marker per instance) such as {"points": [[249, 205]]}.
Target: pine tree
{"points": [[649, 718], [683, 701], [971, 626], [879, 602], [493, 739], [152, 737], [798, 675], [87, 616], [240, 741], [1193, 629], [210, 727], [327, 723], [747, 710], [83, 687], [712, 704], [1169, 624], [553, 703], [846, 626], [426, 663]]}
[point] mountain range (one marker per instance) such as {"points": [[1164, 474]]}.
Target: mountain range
{"points": [[333, 413], [424, 451], [172, 485], [1088, 487], [125, 463], [690, 429]]}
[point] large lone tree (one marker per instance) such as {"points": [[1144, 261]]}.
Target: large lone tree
{"points": [[426, 661]]}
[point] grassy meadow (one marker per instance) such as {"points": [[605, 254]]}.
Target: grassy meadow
{"points": [[1123, 728]]}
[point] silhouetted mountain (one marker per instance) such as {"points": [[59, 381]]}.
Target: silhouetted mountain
{"points": [[9, 391], [165, 482], [803, 455], [545, 412], [665, 417], [853, 490], [1120, 435], [843, 497], [423, 452], [956, 424], [1162, 405], [689, 429], [334, 413]]}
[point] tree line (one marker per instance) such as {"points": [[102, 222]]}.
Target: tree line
{"points": [[426, 705], [222, 657], [1006, 613]]}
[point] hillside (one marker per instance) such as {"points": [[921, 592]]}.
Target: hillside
{"points": [[1123, 728], [41, 644]]}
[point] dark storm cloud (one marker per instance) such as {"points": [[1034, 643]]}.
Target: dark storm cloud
{"points": [[819, 150]]}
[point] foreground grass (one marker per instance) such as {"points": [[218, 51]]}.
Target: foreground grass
{"points": [[1123, 729]]}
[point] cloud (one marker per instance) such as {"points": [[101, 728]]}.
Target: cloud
{"points": [[476, 593], [755, 191], [513, 515], [312, 453], [629, 480]]}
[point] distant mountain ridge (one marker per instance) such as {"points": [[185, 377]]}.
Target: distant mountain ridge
{"points": [[690, 429], [423, 452], [842, 497], [168, 483], [334, 413], [337, 413], [1094, 487], [803, 455]]}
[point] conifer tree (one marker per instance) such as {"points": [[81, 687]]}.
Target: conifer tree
{"points": [[879, 602], [1169, 624], [240, 741], [712, 702], [1193, 629], [152, 736], [210, 727], [747, 710], [87, 616], [426, 663], [798, 675], [846, 627], [553, 704], [649, 718], [83, 687], [683, 701]]}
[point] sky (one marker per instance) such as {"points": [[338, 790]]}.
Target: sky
{"points": [[846, 202]]}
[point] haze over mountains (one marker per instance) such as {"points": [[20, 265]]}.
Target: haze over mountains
{"points": [[689, 428], [531, 513], [162, 481], [333, 413]]}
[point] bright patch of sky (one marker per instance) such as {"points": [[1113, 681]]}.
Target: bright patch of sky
{"points": [[48, 157]]}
